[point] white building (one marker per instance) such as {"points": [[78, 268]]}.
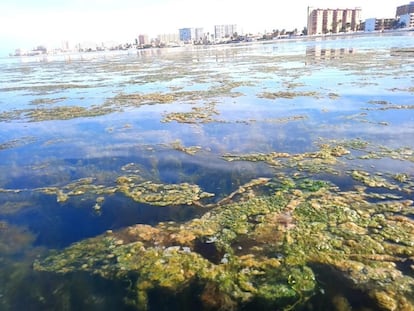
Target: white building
{"points": [[143, 40], [224, 31], [198, 34], [322, 21], [169, 38]]}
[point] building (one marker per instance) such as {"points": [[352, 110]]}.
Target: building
{"points": [[379, 24], [405, 9], [224, 31], [323, 21], [169, 38], [143, 40], [187, 34], [198, 34], [407, 20], [405, 15]]}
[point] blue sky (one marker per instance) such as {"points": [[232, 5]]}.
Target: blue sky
{"points": [[28, 23]]}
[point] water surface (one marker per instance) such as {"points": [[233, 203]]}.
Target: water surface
{"points": [[85, 137]]}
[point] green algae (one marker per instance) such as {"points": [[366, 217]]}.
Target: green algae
{"points": [[321, 160], [55, 113], [287, 119], [255, 245], [133, 186], [17, 142], [192, 150], [202, 114], [223, 88], [161, 194], [42, 89], [372, 181], [317, 225], [164, 256], [47, 101], [286, 94], [248, 248]]}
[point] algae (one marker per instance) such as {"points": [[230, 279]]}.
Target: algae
{"points": [[17, 142], [264, 242], [293, 231], [202, 114], [286, 94]]}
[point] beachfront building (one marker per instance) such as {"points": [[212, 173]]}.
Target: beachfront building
{"points": [[143, 40], [224, 31], [407, 20], [379, 24], [169, 38], [323, 21], [187, 35], [405, 15], [198, 34], [405, 9]]}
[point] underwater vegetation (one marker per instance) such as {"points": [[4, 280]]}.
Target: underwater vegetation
{"points": [[305, 225], [264, 243], [241, 177]]}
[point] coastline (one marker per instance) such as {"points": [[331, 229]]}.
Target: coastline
{"points": [[75, 55]]}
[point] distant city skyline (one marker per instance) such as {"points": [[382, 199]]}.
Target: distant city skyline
{"points": [[26, 23]]}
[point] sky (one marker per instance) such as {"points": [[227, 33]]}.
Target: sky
{"points": [[29, 23]]}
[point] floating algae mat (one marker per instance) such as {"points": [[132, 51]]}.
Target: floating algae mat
{"points": [[265, 249], [274, 176], [295, 233]]}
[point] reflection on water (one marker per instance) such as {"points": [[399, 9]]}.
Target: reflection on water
{"points": [[249, 176], [318, 53]]}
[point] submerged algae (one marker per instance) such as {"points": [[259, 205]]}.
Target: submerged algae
{"points": [[161, 194], [197, 115], [192, 150], [17, 143], [133, 186], [286, 94], [173, 256], [321, 160], [293, 230], [55, 113]]}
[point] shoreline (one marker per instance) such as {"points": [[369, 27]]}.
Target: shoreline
{"points": [[76, 55]]}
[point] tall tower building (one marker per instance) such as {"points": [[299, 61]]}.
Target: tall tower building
{"points": [[224, 31], [322, 21], [405, 9], [187, 34]]}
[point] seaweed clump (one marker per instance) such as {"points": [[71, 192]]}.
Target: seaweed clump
{"points": [[161, 194], [261, 249]]}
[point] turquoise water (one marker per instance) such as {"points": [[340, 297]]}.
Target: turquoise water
{"points": [[101, 116]]}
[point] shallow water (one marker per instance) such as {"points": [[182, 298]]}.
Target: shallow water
{"points": [[195, 115]]}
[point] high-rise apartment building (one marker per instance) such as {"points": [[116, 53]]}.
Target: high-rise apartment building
{"points": [[322, 21], [168, 38], [407, 20], [198, 34], [187, 34], [224, 31], [143, 40], [405, 9]]}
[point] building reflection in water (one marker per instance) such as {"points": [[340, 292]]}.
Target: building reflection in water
{"points": [[315, 54]]}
